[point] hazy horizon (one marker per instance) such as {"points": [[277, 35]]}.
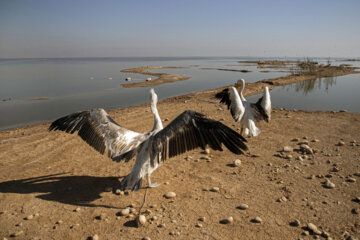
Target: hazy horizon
{"points": [[97, 29]]}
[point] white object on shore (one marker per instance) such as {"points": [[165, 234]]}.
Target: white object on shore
{"points": [[148, 79], [128, 79]]}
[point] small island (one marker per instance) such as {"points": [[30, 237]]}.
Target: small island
{"points": [[162, 77]]}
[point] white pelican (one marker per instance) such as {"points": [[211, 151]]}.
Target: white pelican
{"points": [[187, 132], [244, 112]]}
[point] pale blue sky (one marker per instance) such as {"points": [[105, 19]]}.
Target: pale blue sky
{"points": [[116, 28]]}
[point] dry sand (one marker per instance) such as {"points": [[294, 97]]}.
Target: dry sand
{"points": [[63, 183]]}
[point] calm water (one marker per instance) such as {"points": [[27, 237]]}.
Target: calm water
{"points": [[79, 84]]}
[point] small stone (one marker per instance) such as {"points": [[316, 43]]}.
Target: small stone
{"points": [[355, 211], [140, 220], [287, 149], [228, 220], [166, 183], [95, 237], [199, 225], [315, 140], [166, 119], [125, 212], [243, 206], [102, 216], [17, 234], [257, 220], [352, 180], [329, 184], [170, 195], [282, 199], [340, 143], [207, 151], [295, 223], [77, 209], [237, 163], [29, 217], [148, 79], [146, 238], [161, 225], [215, 189], [295, 139], [119, 192], [313, 229], [202, 219], [299, 158], [74, 226], [128, 79], [306, 149], [188, 158], [59, 222]]}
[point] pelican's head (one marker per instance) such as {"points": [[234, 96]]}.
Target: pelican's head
{"points": [[240, 83]]}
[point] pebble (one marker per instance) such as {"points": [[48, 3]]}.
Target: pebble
{"points": [[128, 79], [146, 238], [125, 212], [295, 139], [257, 220], [148, 79], [77, 209], [215, 189], [228, 220], [287, 149], [170, 195], [340, 143], [95, 237], [295, 223], [237, 163], [161, 225], [140, 220], [352, 180], [199, 225], [243, 206], [313, 229], [355, 211], [202, 219], [282, 199], [29, 217], [305, 148], [299, 158], [119, 192], [329, 184], [207, 151], [16, 234], [59, 222], [315, 140]]}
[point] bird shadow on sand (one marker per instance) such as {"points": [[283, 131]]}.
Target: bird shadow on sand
{"points": [[63, 188]]}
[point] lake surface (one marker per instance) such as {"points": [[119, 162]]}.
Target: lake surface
{"points": [[78, 84]]}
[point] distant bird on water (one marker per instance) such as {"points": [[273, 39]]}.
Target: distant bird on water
{"points": [[186, 132], [244, 112]]}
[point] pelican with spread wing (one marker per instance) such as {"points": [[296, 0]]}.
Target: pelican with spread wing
{"points": [[244, 112], [186, 132]]}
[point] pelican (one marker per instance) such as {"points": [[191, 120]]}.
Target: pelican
{"points": [[244, 112], [186, 132]]}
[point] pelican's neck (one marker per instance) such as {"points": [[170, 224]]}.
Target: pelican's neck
{"points": [[157, 121], [241, 89]]}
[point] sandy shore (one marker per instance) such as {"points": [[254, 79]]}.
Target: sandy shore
{"points": [[61, 184]]}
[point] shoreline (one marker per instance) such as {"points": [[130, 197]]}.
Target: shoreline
{"points": [[250, 89]]}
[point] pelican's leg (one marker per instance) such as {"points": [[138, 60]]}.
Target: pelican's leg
{"points": [[151, 185]]}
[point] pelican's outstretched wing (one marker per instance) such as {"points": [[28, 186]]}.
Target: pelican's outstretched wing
{"points": [[231, 98], [261, 110], [101, 132], [191, 130]]}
